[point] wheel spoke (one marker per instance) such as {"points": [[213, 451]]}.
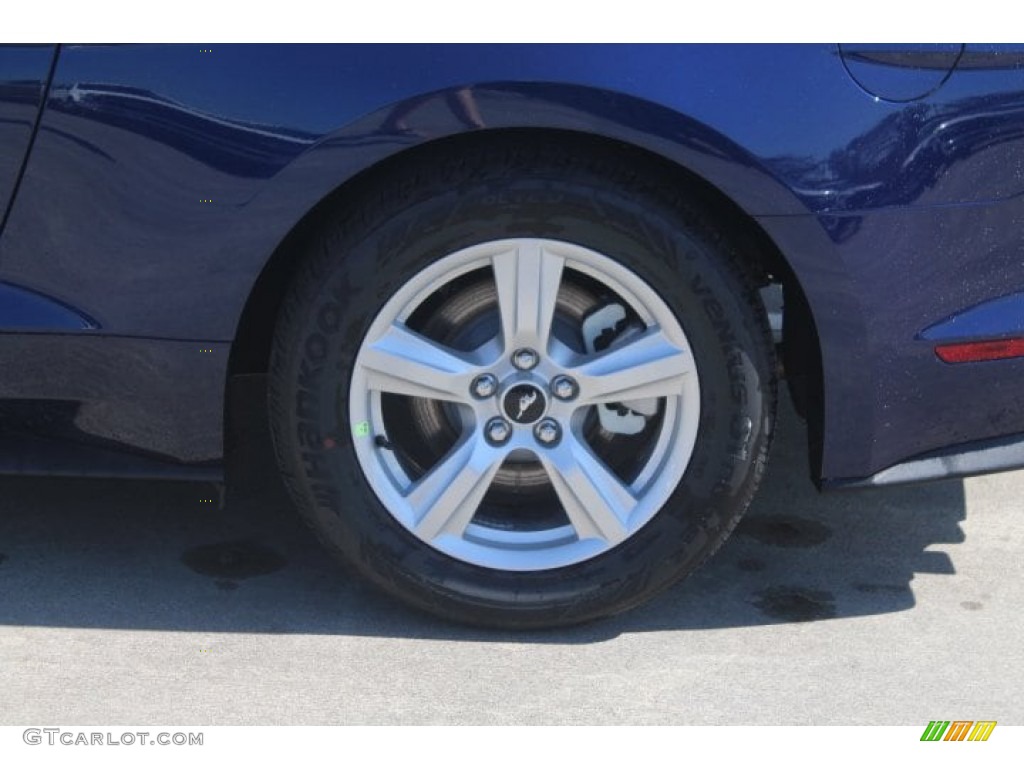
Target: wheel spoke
{"points": [[445, 499], [527, 280], [649, 365], [596, 502], [402, 362]]}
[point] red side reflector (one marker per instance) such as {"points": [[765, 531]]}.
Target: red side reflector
{"points": [[975, 351]]}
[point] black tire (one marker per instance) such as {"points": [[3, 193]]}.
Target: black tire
{"points": [[415, 213]]}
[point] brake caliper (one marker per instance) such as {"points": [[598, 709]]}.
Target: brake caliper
{"points": [[601, 330]]}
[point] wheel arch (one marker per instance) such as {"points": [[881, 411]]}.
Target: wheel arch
{"points": [[802, 359]]}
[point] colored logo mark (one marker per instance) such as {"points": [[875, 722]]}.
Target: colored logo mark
{"points": [[958, 730]]}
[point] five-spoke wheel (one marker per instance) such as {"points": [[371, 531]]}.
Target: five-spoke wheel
{"points": [[521, 383], [533, 394]]}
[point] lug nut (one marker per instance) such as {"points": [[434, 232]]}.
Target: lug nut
{"points": [[547, 431], [498, 431], [484, 385], [525, 359], [564, 388]]}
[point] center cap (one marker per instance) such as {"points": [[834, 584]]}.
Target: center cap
{"points": [[524, 403]]}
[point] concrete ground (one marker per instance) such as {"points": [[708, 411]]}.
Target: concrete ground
{"points": [[140, 603]]}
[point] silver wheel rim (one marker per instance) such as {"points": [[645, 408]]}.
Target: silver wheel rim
{"points": [[601, 508]]}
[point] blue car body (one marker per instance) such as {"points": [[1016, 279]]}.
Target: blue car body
{"points": [[150, 195]]}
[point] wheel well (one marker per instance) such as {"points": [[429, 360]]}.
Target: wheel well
{"points": [[801, 354]]}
